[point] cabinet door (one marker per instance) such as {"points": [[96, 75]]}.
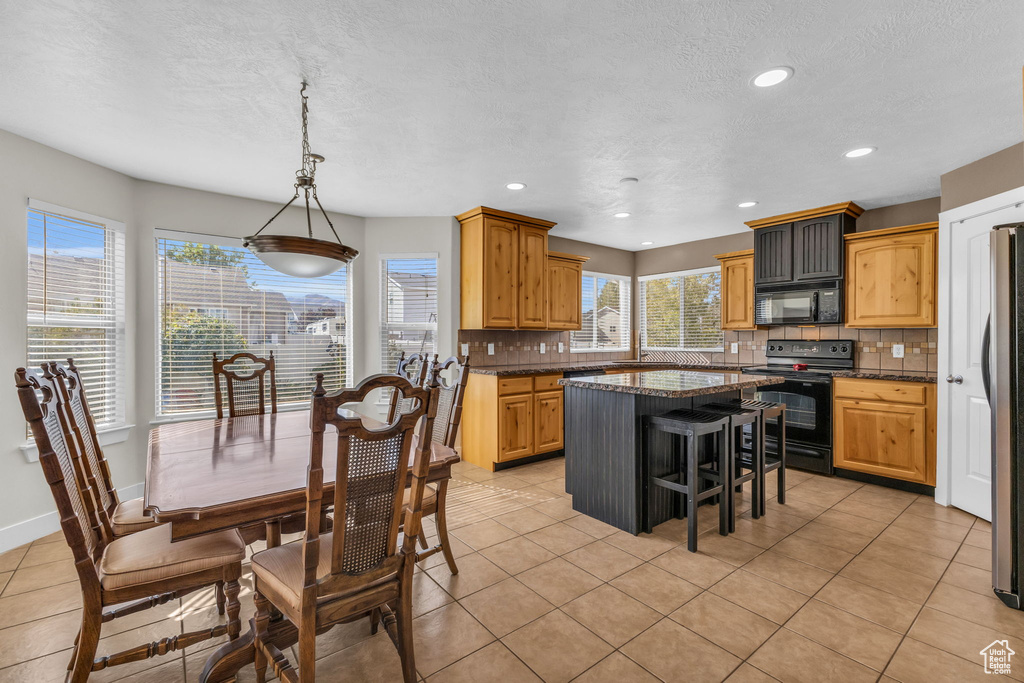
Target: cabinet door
{"points": [[886, 439], [515, 426], [892, 281], [818, 248], [501, 270], [547, 417], [533, 271], [738, 293], [564, 280], [773, 254]]}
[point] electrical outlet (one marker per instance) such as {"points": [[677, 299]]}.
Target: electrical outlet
{"points": [[561, 347], [897, 350], [543, 347], [490, 349], [734, 347], [465, 349]]}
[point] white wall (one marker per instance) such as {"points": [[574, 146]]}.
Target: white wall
{"points": [[28, 169]]}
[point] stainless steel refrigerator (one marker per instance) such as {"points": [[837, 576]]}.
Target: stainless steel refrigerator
{"points": [[1003, 371]]}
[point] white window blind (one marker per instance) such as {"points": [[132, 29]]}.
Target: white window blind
{"points": [[408, 296], [682, 311], [215, 297], [76, 304], [605, 319]]}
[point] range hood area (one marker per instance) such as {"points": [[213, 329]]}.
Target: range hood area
{"points": [[799, 265]]}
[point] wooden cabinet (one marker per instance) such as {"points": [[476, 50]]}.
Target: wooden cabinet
{"points": [[508, 274], [885, 428], [565, 276], [506, 418], [737, 290], [892, 277], [802, 246]]}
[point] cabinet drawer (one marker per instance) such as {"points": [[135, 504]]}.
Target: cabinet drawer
{"points": [[881, 390], [546, 382], [515, 385]]}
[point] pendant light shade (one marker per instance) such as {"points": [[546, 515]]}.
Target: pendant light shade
{"points": [[294, 255]]}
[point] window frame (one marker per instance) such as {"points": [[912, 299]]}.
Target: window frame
{"points": [[628, 279], [234, 243], [643, 310], [383, 322]]}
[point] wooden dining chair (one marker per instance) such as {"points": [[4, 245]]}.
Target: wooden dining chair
{"points": [[357, 569], [450, 379], [413, 368], [246, 389], [143, 569]]}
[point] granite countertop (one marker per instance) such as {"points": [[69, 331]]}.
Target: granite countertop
{"points": [[670, 383], [891, 375], [575, 366]]}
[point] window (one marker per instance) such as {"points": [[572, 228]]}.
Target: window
{"points": [[605, 322], [76, 302], [682, 311], [408, 316], [216, 297]]}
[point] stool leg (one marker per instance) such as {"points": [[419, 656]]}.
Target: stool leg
{"points": [[781, 452], [692, 488], [757, 459], [724, 473]]}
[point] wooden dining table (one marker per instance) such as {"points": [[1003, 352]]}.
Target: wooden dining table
{"points": [[209, 475]]}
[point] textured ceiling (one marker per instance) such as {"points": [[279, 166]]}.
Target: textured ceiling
{"points": [[429, 108]]}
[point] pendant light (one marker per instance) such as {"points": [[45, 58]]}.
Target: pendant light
{"points": [[293, 255]]}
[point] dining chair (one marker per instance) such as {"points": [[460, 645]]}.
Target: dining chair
{"points": [[414, 368], [143, 569], [246, 388], [357, 570], [450, 378]]}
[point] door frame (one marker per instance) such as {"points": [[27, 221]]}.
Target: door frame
{"points": [[947, 219]]}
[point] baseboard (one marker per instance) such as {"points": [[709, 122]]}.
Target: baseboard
{"points": [[31, 529]]}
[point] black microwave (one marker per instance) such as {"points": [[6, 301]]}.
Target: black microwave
{"points": [[798, 306]]}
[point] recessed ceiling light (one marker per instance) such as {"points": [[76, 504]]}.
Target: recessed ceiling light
{"points": [[859, 152], [746, 205], [629, 180], [772, 76], [516, 186], [622, 214], [646, 244]]}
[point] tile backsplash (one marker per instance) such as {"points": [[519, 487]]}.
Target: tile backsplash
{"points": [[512, 347], [873, 351]]}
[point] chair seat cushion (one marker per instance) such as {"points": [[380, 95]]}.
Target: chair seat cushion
{"points": [[429, 499], [147, 556], [128, 518], [281, 570]]}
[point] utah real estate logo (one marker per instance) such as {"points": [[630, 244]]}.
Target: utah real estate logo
{"points": [[997, 657]]}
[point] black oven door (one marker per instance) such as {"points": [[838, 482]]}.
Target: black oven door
{"points": [[808, 421], [786, 308]]}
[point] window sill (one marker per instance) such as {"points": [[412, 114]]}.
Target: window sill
{"points": [[107, 436]]}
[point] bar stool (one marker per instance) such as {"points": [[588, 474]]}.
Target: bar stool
{"points": [[739, 458], [690, 426], [777, 412]]}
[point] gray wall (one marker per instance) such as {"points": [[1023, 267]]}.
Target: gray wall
{"points": [[602, 259], [908, 213], [699, 254], [985, 177]]}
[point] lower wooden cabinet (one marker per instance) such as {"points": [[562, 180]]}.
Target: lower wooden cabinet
{"points": [[507, 418], [885, 428]]}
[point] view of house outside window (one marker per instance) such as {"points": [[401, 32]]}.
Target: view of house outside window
{"points": [[408, 298], [605, 315], [215, 297], [682, 311]]}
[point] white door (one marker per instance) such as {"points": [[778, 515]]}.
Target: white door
{"points": [[968, 419]]}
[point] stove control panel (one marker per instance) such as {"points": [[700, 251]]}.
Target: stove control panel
{"points": [[831, 349]]}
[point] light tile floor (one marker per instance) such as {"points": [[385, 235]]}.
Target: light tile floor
{"points": [[845, 582]]}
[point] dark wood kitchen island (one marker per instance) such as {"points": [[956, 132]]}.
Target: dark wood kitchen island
{"points": [[604, 468]]}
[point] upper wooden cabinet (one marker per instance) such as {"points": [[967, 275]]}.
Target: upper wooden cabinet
{"points": [[802, 246], [507, 272], [892, 277], [565, 276], [737, 290]]}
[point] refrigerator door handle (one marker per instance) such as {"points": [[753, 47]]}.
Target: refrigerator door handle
{"points": [[986, 359], [1000, 325]]}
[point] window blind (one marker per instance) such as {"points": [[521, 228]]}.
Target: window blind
{"points": [[682, 311], [215, 297], [76, 305], [605, 315], [408, 296]]}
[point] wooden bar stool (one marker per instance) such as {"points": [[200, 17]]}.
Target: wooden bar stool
{"points": [[776, 461], [744, 464], [690, 426]]}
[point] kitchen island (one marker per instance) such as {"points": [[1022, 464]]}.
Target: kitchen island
{"points": [[605, 470]]}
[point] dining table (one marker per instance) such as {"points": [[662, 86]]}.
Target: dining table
{"points": [[209, 475]]}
